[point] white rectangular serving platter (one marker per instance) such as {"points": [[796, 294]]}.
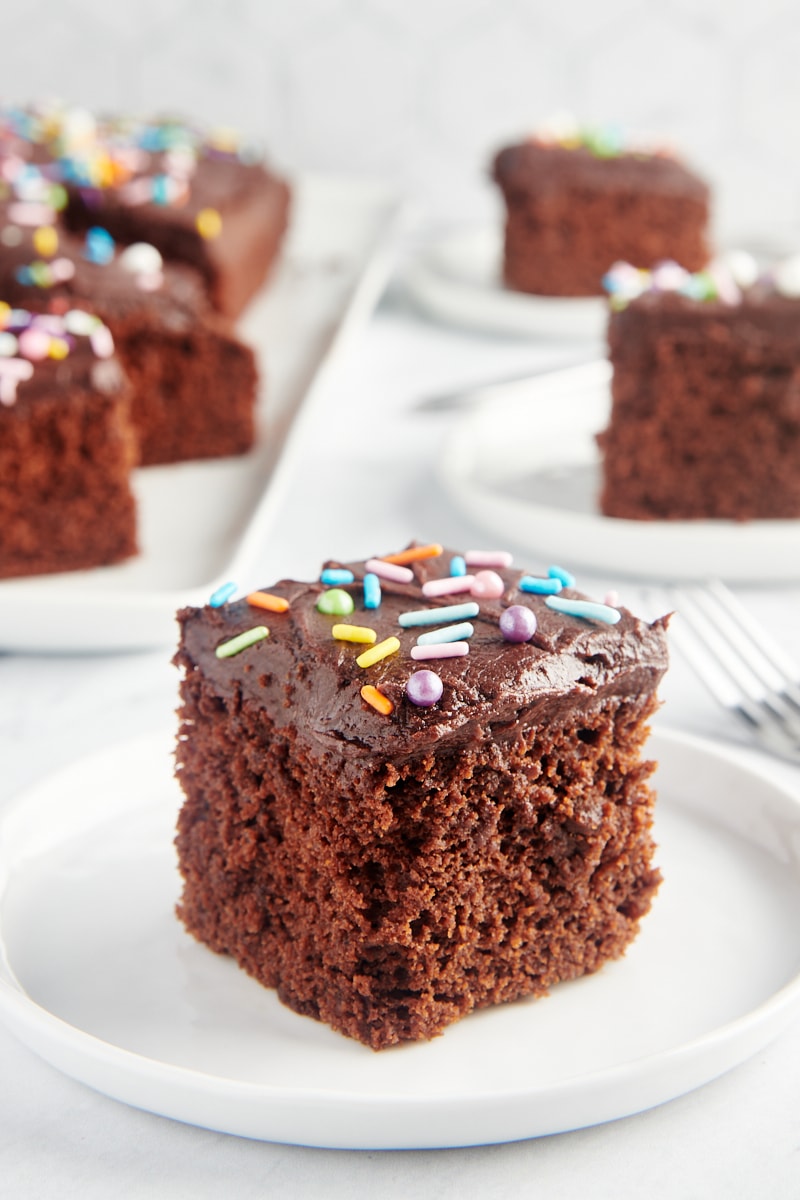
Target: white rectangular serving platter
{"points": [[201, 523]]}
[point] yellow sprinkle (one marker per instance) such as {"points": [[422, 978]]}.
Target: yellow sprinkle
{"points": [[209, 223], [45, 240], [58, 348], [5, 309], [268, 601], [377, 699], [413, 554], [354, 633], [383, 649]]}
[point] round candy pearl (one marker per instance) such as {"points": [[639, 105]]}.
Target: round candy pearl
{"points": [[336, 602], [141, 258], [517, 623], [34, 344], [424, 688], [487, 585]]}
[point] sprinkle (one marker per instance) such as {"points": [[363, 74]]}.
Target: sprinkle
{"points": [[99, 247], [266, 600], [517, 623], [11, 235], [45, 241], [141, 258], [448, 586], [488, 558], [223, 593], [450, 633], [437, 616], [209, 223], [59, 348], [372, 590], [34, 343], [336, 575], [79, 322], [8, 345], [539, 587], [27, 213], [335, 602], [424, 688], [565, 578], [62, 269], [587, 609], [5, 313], [161, 189], [377, 699], [457, 565], [102, 342], [612, 598], [488, 586], [383, 649], [413, 554], [242, 641], [12, 372], [389, 571], [440, 650], [354, 633]]}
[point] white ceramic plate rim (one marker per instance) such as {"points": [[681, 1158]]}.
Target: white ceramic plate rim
{"points": [[554, 420], [348, 1119]]}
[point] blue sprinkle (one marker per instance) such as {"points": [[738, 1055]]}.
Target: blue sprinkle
{"points": [[372, 591], [565, 578], [458, 565], [160, 189], [99, 246], [335, 576], [435, 616], [450, 633], [540, 587], [24, 275], [223, 593], [587, 609]]}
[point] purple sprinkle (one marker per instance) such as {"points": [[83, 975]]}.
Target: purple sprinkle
{"points": [[424, 688], [517, 623]]}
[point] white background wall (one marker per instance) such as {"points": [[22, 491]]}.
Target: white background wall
{"points": [[421, 91]]}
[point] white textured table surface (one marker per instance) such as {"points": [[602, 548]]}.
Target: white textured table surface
{"points": [[352, 493]]}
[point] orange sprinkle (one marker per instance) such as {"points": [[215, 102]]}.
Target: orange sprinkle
{"points": [[414, 554], [267, 600], [377, 699]]}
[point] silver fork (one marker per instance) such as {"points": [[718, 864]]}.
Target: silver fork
{"points": [[741, 665]]}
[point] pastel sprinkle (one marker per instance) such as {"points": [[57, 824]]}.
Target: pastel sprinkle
{"points": [[458, 565], [34, 343], [100, 245], [389, 571], [8, 345], [566, 578], [587, 609], [539, 587], [209, 223], [438, 616], [336, 575], [413, 554], [379, 702], [383, 649], [612, 598], [223, 593], [354, 633], [517, 623], [440, 650], [101, 341], [141, 258], [372, 590], [450, 585], [488, 585], [424, 688], [12, 372], [242, 641], [488, 558], [336, 603], [45, 241], [266, 600], [450, 633]]}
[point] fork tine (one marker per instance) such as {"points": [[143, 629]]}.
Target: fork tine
{"points": [[784, 669]]}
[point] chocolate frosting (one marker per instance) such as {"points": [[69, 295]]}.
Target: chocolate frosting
{"points": [[310, 682], [533, 165]]}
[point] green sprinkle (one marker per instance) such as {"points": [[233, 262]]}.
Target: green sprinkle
{"points": [[242, 641], [337, 602]]}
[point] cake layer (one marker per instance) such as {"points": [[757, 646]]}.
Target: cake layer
{"points": [[389, 872]]}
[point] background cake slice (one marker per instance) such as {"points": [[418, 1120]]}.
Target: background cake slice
{"points": [[393, 841]]}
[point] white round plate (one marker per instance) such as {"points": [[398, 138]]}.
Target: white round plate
{"points": [[99, 978], [525, 466], [457, 279]]}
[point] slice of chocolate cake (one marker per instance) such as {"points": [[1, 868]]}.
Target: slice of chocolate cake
{"points": [[578, 202], [410, 793], [705, 417], [66, 445]]}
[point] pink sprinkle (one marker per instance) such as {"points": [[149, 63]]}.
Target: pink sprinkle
{"points": [[137, 191], [12, 372], [611, 599], [11, 168], [101, 341], [389, 571], [28, 213], [34, 343], [62, 268], [448, 586], [488, 586], [440, 650], [488, 558]]}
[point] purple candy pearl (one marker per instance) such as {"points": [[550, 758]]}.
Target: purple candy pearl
{"points": [[517, 623], [424, 688]]}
